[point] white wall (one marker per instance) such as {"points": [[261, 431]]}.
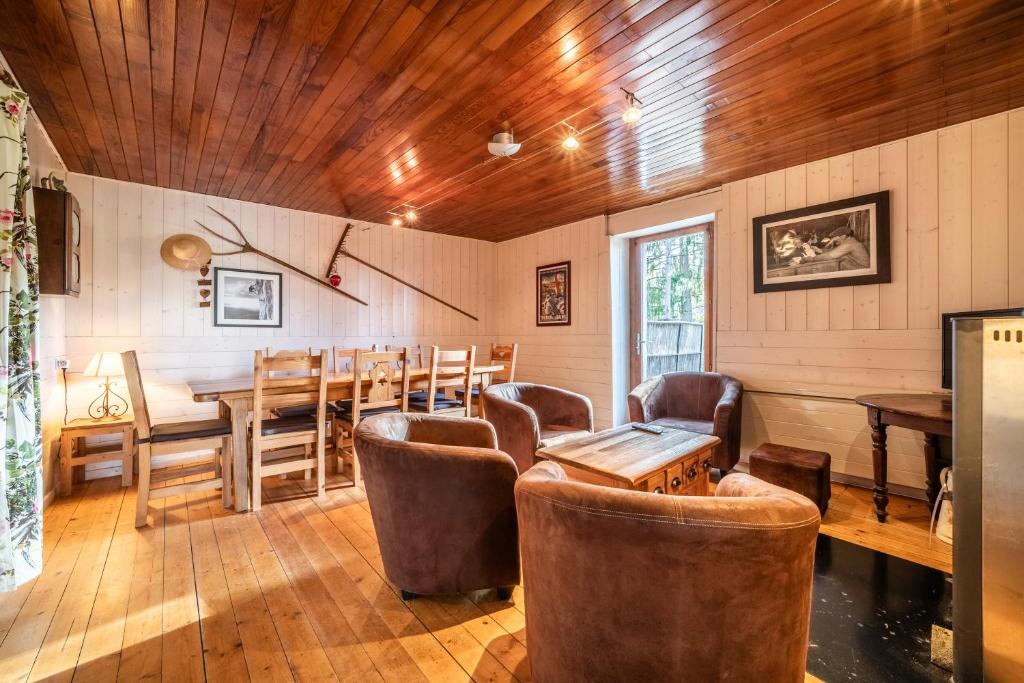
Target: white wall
{"points": [[131, 300], [575, 357], [958, 244]]}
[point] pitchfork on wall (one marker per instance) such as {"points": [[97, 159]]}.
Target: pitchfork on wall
{"points": [[245, 247]]}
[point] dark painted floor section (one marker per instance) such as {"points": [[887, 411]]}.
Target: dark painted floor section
{"points": [[872, 614]]}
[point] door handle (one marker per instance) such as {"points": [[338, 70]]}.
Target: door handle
{"points": [[638, 343]]}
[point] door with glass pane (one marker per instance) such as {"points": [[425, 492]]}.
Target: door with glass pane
{"points": [[670, 302]]}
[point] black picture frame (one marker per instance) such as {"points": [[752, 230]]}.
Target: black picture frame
{"points": [[219, 318], [554, 269], [875, 207]]}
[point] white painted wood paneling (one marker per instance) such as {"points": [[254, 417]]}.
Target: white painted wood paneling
{"points": [[132, 300], [957, 205]]}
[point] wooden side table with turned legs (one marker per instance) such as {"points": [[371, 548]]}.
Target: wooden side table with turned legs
{"points": [[931, 414], [75, 453]]}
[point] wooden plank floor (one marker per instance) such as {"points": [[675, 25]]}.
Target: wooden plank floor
{"points": [[296, 591]]}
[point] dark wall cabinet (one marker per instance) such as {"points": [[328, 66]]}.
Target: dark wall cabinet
{"points": [[59, 226]]}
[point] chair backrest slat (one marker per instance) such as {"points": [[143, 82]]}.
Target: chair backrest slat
{"points": [[344, 357], [506, 356], [380, 368], [308, 381], [451, 368], [133, 376]]}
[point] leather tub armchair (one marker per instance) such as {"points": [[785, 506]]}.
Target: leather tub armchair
{"points": [[529, 416], [442, 500], [702, 402], [627, 586]]}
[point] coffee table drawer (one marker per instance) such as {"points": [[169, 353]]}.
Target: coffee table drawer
{"points": [[653, 484]]}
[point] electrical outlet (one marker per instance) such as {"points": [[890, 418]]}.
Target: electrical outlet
{"points": [[61, 363]]}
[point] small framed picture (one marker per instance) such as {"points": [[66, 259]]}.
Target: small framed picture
{"points": [[837, 244], [246, 298], [554, 294]]}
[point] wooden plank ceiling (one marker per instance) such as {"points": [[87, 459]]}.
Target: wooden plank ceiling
{"points": [[354, 108]]}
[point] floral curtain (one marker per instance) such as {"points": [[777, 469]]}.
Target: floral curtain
{"points": [[21, 478]]}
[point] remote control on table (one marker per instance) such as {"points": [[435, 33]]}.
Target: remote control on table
{"points": [[653, 429]]}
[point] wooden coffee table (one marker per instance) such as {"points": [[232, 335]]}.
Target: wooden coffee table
{"points": [[675, 462]]}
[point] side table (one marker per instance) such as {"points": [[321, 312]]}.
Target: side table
{"points": [[73, 451]]}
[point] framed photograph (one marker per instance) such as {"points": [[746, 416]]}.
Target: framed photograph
{"points": [[837, 244], [554, 295], [246, 298]]}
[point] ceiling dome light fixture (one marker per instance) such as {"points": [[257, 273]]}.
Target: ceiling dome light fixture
{"points": [[633, 111], [571, 142], [410, 214], [503, 145]]}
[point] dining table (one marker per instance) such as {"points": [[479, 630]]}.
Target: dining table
{"points": [[235, 399]]}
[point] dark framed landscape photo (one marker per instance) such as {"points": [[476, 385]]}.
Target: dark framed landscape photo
{"points": [[837, 244], [246, 298], [554, 294]]}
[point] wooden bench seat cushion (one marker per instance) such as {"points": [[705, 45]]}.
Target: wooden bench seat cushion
{"points": [[307, 410], [191, 429]]}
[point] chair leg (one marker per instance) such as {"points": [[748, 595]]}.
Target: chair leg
{"points": [[357, 472], [308, 451], [336, 449], [226, 474], [142, 495], [321, 474], [257, 476]]}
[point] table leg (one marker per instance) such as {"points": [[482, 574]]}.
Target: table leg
{"points": [[66, 445], [239, 410], [932, 464], [879, 457], [127, 450]]}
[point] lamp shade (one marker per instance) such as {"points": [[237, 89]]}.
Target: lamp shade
{"points": [[104, 364]]}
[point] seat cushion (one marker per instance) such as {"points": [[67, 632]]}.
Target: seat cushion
{"points": [[698, 426], [462, 392], [309, 410], [439, 404], [191, 429], [346, 414], [552, 435], [285, 425]]}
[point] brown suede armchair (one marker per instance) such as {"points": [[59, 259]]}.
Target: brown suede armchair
{"points": [[442, 501], [626, 586], [703, 402], [528, 416]]}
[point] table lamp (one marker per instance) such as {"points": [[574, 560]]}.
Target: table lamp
{"points": [[109, 404]]}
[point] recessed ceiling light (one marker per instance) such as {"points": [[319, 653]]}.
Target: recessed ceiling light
{"points": [[570, 143], [396, 221], [410, 215]]}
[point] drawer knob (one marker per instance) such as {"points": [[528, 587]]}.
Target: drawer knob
{"points": [[692, 472], [676, 482], [707, 465], [657, 489]]}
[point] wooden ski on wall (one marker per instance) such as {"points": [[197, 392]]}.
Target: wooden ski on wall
{"points": [[340, 251], [245, 247]]}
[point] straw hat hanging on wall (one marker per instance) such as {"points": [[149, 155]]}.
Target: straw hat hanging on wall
{"points": [[185, 252]]}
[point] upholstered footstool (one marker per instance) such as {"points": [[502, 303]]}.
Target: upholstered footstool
{"points": [[797, 469]]}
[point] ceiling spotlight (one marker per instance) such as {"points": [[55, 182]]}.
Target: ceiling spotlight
{"points": [[396, 221], [633, 111], [571, 141], [503, 145], [410, 215]]}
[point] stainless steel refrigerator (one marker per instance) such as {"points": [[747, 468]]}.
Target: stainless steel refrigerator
{"points": [[988, 506]]}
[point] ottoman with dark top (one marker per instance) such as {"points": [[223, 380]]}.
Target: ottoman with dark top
{"points": [[797, 469]]}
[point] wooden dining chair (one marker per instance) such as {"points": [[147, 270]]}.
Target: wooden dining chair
{"points": [[415, 353], [282, 379], [343, 357], [383, 369], [504, 355], [169, 438], [449, 369]]}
